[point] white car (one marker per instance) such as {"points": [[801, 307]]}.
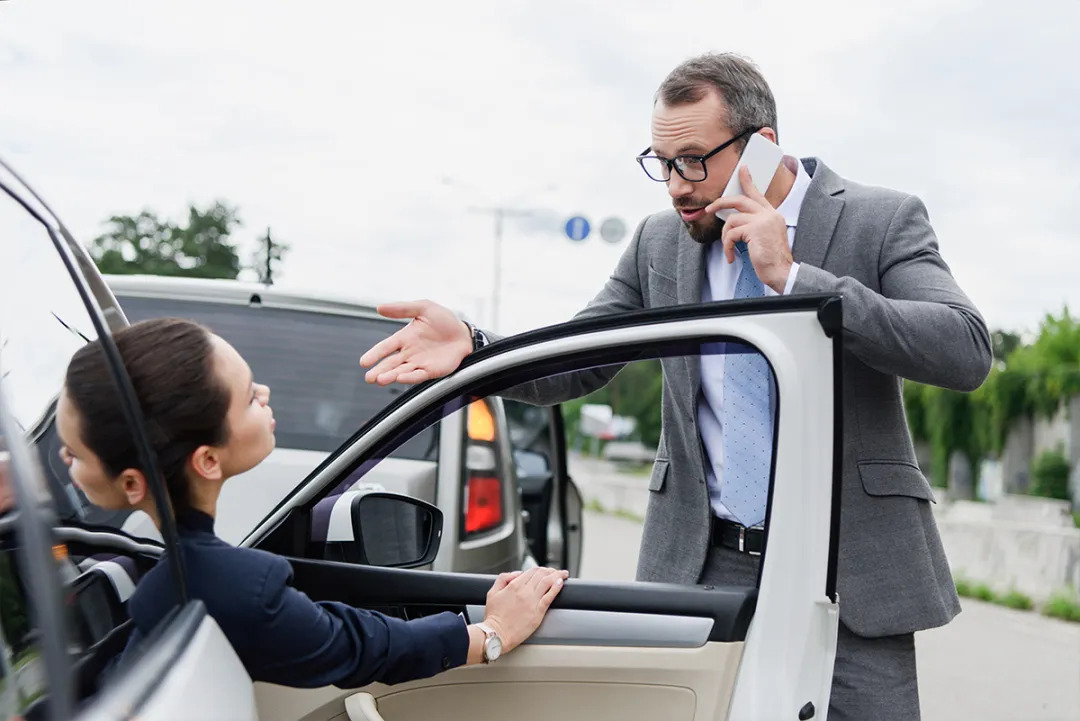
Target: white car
{"points": [[628, 651], [495, 468]]}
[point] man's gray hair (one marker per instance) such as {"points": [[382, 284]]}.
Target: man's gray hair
{"points": [[742, 87]]}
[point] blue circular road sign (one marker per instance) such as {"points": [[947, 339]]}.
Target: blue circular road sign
{"points": [[577, 228]]}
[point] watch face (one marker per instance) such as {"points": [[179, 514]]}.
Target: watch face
{"points": [[494, 648]]}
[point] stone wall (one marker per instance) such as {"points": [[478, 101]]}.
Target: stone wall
{"points": [[1030, 545]]}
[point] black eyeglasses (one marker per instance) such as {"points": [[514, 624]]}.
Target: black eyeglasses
{"points": [[690, 167]]}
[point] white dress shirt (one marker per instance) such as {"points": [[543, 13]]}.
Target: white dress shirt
{"points": [[719, 284]]}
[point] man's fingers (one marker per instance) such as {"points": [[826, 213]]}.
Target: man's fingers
{"points": [[382, 349], [503, 579], [749, 189], [546, 576], [740, 203], [384, 366], [730, 238], [404, 309], [738, 219], [524, 578], [413, 375], [556, 582]]}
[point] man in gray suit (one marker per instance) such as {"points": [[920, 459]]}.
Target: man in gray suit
{"points": [[809, 231]]}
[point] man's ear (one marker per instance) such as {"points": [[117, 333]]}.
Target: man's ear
{"points": [[206, 463], [133, 483]]}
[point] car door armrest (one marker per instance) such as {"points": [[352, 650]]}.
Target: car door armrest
{"points": [[362, 707]]}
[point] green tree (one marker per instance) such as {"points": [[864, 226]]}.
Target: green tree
{"points": [[146, 244], [267, 257], [1004, 343], [635, 393], [1050, 475]]}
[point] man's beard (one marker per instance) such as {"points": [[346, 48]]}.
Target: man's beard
{"points": [[708, 229]]}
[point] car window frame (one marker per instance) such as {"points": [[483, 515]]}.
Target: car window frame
{"points": [[79, 267], [40, 573], [829, 314]]}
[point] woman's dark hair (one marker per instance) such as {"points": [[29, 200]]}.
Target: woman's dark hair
{"points": [[171, 365]]}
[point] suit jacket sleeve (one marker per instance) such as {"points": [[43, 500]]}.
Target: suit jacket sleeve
{"points": [[621, 293], [921, 326], [307, 644]]}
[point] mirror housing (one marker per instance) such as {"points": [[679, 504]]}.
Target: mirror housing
{"points": [[392, 530], [531, 463]]}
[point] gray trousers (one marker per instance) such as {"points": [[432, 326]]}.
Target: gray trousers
{"points": [[874, 678]]}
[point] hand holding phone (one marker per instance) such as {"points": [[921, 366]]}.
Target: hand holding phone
{"points": [[762, 157]]}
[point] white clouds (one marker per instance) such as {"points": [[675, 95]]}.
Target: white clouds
{"points": [[335, 124]]}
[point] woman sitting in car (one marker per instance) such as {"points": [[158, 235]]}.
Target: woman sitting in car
{"points": [[208, 421]]}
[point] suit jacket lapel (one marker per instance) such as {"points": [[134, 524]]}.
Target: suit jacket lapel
{"points": [[818, 215], [691, 274]]}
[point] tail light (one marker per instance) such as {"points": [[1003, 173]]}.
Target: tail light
{"points": [[482, 499]]}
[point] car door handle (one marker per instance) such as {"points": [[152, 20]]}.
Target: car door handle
{"points": [[362, 707]]}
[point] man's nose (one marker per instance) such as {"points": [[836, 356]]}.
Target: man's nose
{"points": [[678, 187]]}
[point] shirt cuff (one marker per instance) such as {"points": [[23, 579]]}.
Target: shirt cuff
{"points": [[791, 278]]}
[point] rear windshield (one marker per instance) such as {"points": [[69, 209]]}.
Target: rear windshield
{"points": [[310, 360]]}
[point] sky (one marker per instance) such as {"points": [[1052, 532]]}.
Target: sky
{"points": [[372, 139]]}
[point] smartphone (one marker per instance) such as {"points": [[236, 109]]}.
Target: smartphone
{"points": [[763, 157]]}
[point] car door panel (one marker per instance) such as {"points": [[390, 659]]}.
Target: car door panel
{"points": [[548, 495], [186, 670], [769, 650]]}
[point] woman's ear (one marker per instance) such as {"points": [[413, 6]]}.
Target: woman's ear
{"points": [[134, 486], [206, 463]]}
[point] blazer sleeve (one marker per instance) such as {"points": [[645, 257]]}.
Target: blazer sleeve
{"points": [[921, 326], [306, 644]]}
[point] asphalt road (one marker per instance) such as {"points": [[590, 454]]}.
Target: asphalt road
{"points": [[990, 663]]}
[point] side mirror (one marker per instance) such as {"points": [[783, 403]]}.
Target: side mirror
{"points": [[393, 530], [530, 463]]}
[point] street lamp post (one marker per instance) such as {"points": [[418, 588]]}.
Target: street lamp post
{"points": [[500, 213]]}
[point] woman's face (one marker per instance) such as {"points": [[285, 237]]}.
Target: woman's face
{"points": [[250, 420], [249, 438]]}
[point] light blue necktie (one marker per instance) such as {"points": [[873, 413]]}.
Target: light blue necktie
{"points": [[747, 422]]}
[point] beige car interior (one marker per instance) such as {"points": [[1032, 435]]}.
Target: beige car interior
{"points": [[536, 682]]}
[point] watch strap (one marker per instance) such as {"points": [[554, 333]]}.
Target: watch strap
{"points": [[479, 339]]}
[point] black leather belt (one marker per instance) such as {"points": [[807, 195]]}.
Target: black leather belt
{"points": [[728, 534]]}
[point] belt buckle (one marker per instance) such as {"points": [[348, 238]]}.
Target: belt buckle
{"points": [[742, 542]]}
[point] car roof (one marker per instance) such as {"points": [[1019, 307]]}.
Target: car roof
{"points": [[215, 290]]}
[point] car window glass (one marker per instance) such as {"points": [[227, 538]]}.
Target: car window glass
{"points": [[43, 322], [530, 437], [309, 359], [625, 411], [42, 318]]}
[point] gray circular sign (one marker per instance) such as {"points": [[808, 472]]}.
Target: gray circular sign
{"points": [[612, 230]]}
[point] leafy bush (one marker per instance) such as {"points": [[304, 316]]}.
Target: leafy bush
{"points": [[979, 591], [1063, 605], [1015, 599], [1050, 475]]}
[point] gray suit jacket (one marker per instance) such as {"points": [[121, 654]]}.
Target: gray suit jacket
{"points": [[904, 317]]}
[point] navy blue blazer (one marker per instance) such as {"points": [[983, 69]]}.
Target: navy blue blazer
{"points": [[280, 634]]}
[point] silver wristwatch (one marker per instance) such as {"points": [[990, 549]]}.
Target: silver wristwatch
{"points": [[492, 643]]}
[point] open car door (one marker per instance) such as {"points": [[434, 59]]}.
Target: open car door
{"points": [[624, 651], [61, 623], [549, 497]]}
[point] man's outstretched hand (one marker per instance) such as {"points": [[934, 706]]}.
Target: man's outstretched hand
{"points": [[432, 345]]}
